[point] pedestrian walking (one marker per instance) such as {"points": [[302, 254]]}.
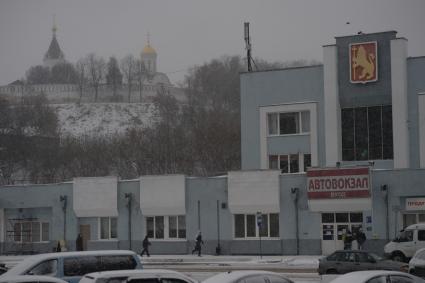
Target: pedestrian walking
{"points": [[146, 243], [79, 243], [348, 239], [361, 238], [198, 243]]}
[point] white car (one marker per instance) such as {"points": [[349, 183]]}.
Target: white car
{"points": [[248, 276], [31, 279], [137, 276], [377, 276], [417, 263]]}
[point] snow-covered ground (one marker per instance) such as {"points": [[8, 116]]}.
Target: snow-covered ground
{"points": [[102, 118]]}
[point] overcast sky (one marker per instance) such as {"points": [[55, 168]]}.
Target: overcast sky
{"points": [[191, 32]]}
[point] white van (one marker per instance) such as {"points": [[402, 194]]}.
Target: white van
{"points": [[71, 266], [407, 243]]}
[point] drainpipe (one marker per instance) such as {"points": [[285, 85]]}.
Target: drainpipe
{"points": [[294, 195], [129, 197]]}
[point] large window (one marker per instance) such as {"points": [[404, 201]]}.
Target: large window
{"points": [[31, 231], [166, 227], [367, 133], [108, 228], [290, 163], [246, 226], [288, 123]]}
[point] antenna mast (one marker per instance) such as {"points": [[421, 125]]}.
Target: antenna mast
{"points": [[247, 45]]}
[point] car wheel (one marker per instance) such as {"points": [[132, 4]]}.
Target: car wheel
{"points": [[398, 256], [331, 271]]}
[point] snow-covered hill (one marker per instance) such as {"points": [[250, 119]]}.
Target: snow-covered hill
{"points": [[102, 118]]}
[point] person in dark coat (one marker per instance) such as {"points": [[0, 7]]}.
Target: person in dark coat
{"points": [[361, 238], [79, 243], [198, 243], [145, 244], [348, 238]]}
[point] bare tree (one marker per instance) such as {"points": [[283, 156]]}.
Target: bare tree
{"points": [[140, 75], [81, 67], [113, 77], [129, 69], [96, 69]]}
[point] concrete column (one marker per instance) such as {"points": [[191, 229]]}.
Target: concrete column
{"points": [[331, 106], [399, 102]]}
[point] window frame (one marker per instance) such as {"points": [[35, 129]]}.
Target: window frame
{"points": [[372, 137], [300, 125], [18, 237], [166, 227], [257, 229], [110, 238], [278, 158]]}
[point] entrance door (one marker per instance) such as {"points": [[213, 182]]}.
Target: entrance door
{"points": [[85, 234], [334, 226]]}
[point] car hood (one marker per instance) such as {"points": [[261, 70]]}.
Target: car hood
{"points": [[391, 264]]}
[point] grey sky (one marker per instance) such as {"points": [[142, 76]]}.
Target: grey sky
{"points": [[191, 32]]}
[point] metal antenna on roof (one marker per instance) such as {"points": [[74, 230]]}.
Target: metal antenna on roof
{"points": [[247, 45]]}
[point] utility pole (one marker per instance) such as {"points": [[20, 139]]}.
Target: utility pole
{"points": [[247, 46]]}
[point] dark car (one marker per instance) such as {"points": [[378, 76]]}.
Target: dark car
{"points": [[345, 261]]}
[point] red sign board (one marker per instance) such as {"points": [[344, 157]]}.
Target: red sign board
{"points": [[335, 183], [364, 62]]}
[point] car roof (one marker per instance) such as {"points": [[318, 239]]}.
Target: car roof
{"points": [[361, 276], [29, 261], [232, 276], [135, 272], [131, 272], [31, 278], [415, 226]]}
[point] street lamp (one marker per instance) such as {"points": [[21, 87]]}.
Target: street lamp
{"points": [[294, 195], [260, 224], [384, 192], [128, 197]]}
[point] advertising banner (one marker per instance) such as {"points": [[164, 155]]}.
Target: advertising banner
{"points": [[338, 183]]}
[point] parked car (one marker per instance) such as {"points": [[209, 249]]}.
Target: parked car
{"points": [[377, 276], [137, 276], [345, 261], [248, 276], [71, 266], [417, 263], [31, 279], [407, 243], [3, 268]]}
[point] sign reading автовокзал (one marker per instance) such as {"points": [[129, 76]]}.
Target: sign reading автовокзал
{"points": [[331, 183]]}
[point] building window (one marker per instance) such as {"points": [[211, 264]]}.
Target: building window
{"points": [[31, 232], [245, 226], [287, 163], [108, 228], [367, 133], [166, 227], [288, 123], [307, 161]]}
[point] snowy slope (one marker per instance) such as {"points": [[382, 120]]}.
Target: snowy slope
{"points": [[102, 118]]}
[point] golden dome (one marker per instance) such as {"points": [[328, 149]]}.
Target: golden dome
{"points": [[148, 50]]}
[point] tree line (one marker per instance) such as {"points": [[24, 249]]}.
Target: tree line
{"points": [[200, 137], [92, 71]]}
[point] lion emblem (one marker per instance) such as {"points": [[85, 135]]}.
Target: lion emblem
{"points": [[363, 64]]}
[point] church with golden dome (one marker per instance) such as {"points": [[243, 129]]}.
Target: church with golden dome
{"points": [[152, 83]]}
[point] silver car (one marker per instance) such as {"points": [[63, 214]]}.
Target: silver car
{"points": [[344, 261], [417, 263]]}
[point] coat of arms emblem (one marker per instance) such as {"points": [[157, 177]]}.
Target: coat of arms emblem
{"points": [[364, 62]]}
